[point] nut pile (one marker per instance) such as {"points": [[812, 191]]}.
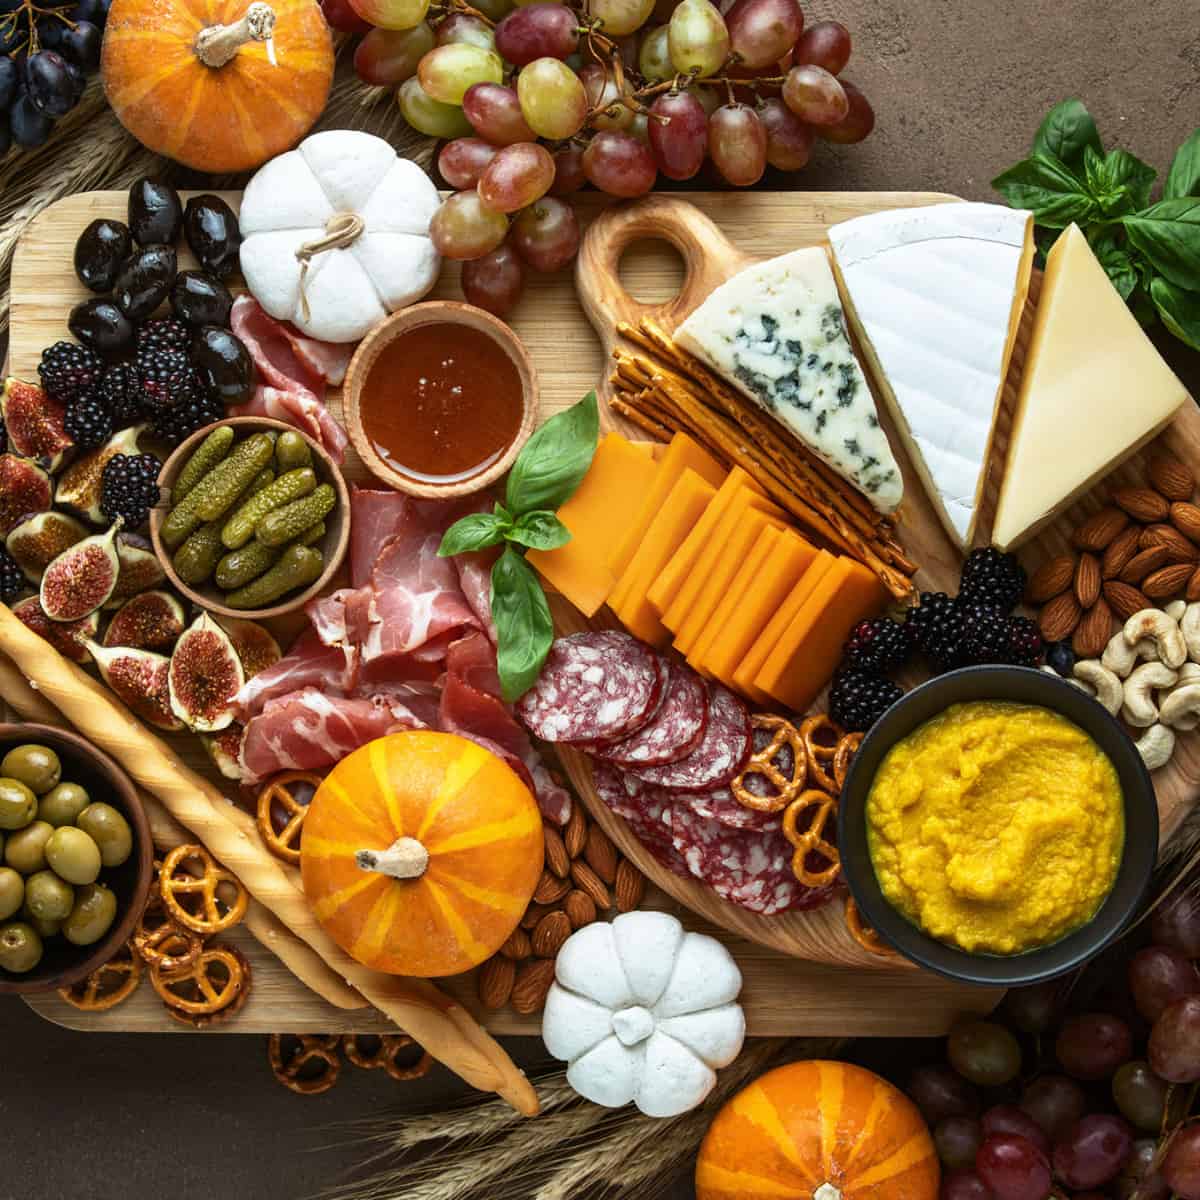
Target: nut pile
{"points": [[584, 878], [1142, 549]]}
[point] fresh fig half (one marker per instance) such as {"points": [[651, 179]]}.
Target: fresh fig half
{"points": [[34, 423], [151, 621], [225, 749], [69, 638], [82, 577], [24, 488], [39, 538], [206, 674], [139, 680], [140, 569], [79, 485], [257, 649]]}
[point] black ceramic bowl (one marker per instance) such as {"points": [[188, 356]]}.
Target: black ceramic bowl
{"points": [[1025, 686]]}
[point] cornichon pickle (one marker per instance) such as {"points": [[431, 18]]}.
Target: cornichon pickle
{"points": [[206, 456], [292, 452], [195, 559], [218, 491], [239, 528], [293, 519], [312, 535], [239, 567], [299, 566]]}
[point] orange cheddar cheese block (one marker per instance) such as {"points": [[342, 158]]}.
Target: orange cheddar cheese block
{"points": [[683, 507], [666, 587], [681, 454], [603, 506], [807, 654], [760, 651], [767, 587]]}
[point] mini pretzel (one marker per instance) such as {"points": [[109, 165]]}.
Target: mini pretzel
{"points": [[811, 839], [384, 1055], [281, 815], [162, 942], [762, 763], [843, 756], [290, 1060], [215, 912], [218, 977], [821, 737], [864, 935], [108, 985]]}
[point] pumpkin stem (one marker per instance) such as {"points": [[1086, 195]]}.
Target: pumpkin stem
{"points": [[405, 858], [216, 45], [827, 1192], [341, 230]]}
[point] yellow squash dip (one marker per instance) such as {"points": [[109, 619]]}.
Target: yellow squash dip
{"points": [[996, 827]]}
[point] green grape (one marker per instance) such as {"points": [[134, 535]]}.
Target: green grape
{"points": [[465, 228], [462, 27], [654, 58], [429, 117], [697, 38], [392, 14], [553, 100], [620, 17], [446, 72], [603, 97]]}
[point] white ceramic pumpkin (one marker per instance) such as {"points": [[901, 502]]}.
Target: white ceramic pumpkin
{"points": [[644, 1012], [348, 183]]}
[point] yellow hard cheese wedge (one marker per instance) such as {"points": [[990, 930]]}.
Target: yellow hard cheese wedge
{"points": [[1093, 391], [604, 505]]}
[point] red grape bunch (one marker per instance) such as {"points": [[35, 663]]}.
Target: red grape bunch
{"points": [[536, 101]]}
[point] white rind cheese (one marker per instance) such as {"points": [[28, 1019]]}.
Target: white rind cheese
{"points": [[777, 332], [936, 295]]}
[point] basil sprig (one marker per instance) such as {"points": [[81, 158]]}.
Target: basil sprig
{"points": [[549, 468], [1151, 252]]}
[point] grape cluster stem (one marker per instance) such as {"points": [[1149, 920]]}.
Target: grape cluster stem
{"points": [[31, 11]]}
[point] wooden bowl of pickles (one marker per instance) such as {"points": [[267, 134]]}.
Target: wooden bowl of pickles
{"points": [[254, 518]]}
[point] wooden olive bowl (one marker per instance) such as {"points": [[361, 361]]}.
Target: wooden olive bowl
{"points": [[436, 312], [62, 962], [333, 546]]}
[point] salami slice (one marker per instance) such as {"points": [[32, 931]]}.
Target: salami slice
{"points": [[747, 867], [675, 730], [593, 686], [721, 806], [645, 809], [720, 756]]}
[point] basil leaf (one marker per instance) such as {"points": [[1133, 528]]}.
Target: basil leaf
{"points": [[1143, 308], [1119, 181], [1183, 179], [524, 630], [476, 531], [540, 530], [1118, 263], [1068, 128], [1056, 196], [1168, 234], [1179, 309], [555, 459]]}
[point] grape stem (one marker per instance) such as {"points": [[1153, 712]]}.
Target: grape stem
{"points": [[31, 11]]}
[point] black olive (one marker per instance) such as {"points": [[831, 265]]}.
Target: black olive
{"points": [[223, 364], [200, 299], [144, 281], [155, 213], [101, 325], [212, 232], [102, 247]]}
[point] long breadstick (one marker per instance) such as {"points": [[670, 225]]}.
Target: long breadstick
{"points": [[417, 1006]]}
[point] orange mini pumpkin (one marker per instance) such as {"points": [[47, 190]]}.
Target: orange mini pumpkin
{"points": [[818, 1131], [420, 853], [219, 85]]}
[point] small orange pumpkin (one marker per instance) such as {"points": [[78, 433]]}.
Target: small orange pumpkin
{"points": [[818, 1131], [420, 853], [219, 85]]}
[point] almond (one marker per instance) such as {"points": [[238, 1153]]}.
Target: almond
{"points": [[1098, 531], [1052, 578], [1124, 599], [1186, 518], [518, 946], [1192, 591], [1120, 550], [600, 854], [630, 886], [1142, 563], [1087, 580], [1178, 548], [1093, 631], [557, 858], [531, 985], [534, 913], [586, 880], [575, 833], [552, 930], [1059, 617], [1142, 504], [550, 888], [495, 983], [581, 908], [1167, 581], [1171, 477]]}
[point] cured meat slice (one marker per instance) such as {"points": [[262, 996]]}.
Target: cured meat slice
{"points": [[747, 867], [675, 730], [646, 810], [720, 756], [593, 687], [720, 805]]}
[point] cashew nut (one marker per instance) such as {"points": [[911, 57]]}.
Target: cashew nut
{"points": [[1104, 685], [1156, 746], [1189, 626], [1120, 657], [1188, 673], [1154, 623], [1181, 709], [1139, 708], [1175, 609]]}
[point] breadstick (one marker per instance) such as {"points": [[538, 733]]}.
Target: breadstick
{"points": [[263, 925], [416, 1006]]}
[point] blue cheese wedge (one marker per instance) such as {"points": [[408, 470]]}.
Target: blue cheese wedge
{"points": [[776, 331]]}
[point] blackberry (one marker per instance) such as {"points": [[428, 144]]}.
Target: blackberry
{"points": [[163, 333], [87, 422], [1061, 657], [129, 488], [168, 379], [120, 391], [876, 645], [986, 632], [989, 577], [1025, 646], [69, 371], [857, 699], [203, 408], [12, 578], [935, 628]]}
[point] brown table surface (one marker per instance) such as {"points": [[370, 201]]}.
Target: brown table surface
{"points": [[959, 87]]}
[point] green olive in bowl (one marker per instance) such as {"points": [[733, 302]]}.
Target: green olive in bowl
{"points": [[37, 767], [109, 830], [73, 855]]}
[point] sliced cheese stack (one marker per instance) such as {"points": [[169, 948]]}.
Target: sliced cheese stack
{"points": [[935, 295], [1094, 390]]}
